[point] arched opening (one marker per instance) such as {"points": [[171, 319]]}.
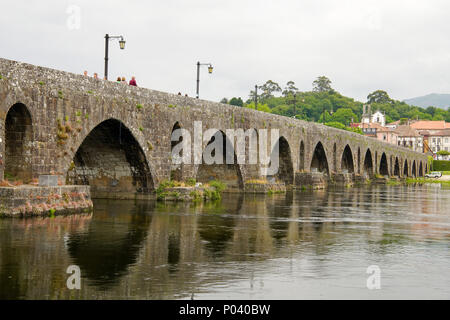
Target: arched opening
{"points": [[368, 163], [384, 165], [426, 168], [176, 170], [420, 169], [413, 169], [347, 160], [214, 165], [18, 143], [396, 167], [319, 160], [285, 171], [359, 161], [334, 158], [112, 163], [405, 169], [301, 165]]}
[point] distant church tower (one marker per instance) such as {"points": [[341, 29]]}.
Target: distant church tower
{"points": [[368, 117]]}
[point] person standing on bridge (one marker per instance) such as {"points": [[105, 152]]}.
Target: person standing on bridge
{"points": [[133, 81]]}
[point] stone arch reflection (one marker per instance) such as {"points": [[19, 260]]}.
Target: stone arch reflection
{"points": [[101, 262]]}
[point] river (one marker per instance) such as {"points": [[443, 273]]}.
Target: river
{"points": [[300, 245]]}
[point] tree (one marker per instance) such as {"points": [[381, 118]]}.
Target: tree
{"points": [[379, 96], [260, 107], [344, 116], [236, 102], [224, 100], [268, 89], [290, 89], [322, 84], [325, 117], [443, 153]]}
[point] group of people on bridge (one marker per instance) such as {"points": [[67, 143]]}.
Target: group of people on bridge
{"points": [[119, 79]]}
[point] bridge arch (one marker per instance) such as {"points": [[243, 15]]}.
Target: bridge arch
{"points": [[347, 160], [111, 160], [405, 169], [384, 170], [396, 168], [18, 143], [176, 171], [420, 169], [319, 160], [230, 174], [413, 169], [285, 171], [368, 163]]}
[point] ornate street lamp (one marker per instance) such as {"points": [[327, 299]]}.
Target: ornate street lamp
{"points": [[210, 70], [121, 45]]}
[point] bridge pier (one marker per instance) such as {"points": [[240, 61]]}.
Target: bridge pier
{"points": [[343, 179], [314, 180]]}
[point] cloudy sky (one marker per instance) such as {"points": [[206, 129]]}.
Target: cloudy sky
{"points": [[402, 47]]}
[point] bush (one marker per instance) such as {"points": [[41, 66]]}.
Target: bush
{"points": [[191, 182], [441, 165], [443, 153]]}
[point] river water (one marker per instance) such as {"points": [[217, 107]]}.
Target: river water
{"points": [[301, 245]]}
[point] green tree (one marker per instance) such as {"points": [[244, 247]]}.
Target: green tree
{"points": [[268, 89], [344, 116], [236, 102], [322, 84], [260, 107], [379, 96], [289, 89], [443, 153], [224, 100]]}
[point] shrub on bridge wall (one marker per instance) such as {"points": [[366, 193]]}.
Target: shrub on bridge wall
{"points": [[441, 165]]}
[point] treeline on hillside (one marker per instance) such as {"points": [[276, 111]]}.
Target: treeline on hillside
{"points": [[326, 105]]}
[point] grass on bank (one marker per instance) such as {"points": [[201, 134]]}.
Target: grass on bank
{"points": [[425, 180]]}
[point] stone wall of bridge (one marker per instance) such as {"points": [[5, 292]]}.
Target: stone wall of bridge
{"points": [[117, 138]]}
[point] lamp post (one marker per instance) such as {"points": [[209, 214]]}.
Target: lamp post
{"points": [[121, 45], [210, 70], [293, 104]]}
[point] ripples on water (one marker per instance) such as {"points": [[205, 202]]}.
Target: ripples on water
{"points": [[299, 245]]}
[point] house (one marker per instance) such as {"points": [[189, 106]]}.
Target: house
{"points": [[430, 126], [409, 137], [440, 140], [379, 132]]}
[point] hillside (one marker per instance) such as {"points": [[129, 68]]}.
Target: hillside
{"points": [[433, 99]]}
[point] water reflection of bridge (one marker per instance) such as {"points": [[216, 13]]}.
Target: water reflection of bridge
{"points": [[153, 250]]}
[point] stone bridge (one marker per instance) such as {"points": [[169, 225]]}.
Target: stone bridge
{"points": [[117, 138]]}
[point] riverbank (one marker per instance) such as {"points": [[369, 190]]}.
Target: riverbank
{"points": [[27, 200]]}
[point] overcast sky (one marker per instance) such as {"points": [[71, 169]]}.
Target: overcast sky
{"points": [[402, 47]]}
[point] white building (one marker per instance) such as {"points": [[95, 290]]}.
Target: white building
{"points": [[440, 141], [376, 117]]}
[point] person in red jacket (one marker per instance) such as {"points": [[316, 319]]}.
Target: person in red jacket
{"points": [[133, 81]]}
